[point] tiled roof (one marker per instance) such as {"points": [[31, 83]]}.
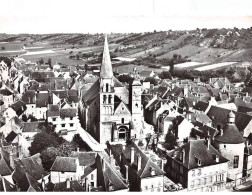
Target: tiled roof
{"points": [[146, 163], [33, 166], [201, 106], [42, 99], [74, 187], [231, 135], [198, 149], [29, 97], [53, 111], [85, 158], [4, 168], [88, 170], [5, 92], [70, 112], [6, 186], [201, 117], [10, 137], [31, 126], [66, 164], [19, 107]]}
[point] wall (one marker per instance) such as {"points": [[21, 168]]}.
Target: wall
{"points": [[229, 151], [152, 184]]}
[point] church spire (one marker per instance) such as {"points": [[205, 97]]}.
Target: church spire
{"points": [[106, 66]]}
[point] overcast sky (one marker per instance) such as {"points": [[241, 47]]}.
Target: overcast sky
{"points": [[83, 16]]}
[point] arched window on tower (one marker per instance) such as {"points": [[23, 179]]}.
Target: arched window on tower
{"points": [[122, 120], [104, 99], [109, 99], [136, 105], [107, 87]]}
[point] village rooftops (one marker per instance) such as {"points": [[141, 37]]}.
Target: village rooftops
{"points": [[5, 92], [196, 150], [74, 186]]}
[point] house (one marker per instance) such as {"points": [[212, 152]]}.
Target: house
{"points": [[181, 128], [17, 109], [65, 168], [29, 174], [6, 165], [29, 98], [7, 97], [138, 169], [5, 67], [64, 119], [230, 143], [197, 166], [88, 161]]}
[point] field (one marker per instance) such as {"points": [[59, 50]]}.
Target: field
{"points": [[129, 68], [214, 66]]}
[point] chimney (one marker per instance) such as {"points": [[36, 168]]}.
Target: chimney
{"points": [[11, 160], [139, 162], [221, 132], [217, 159], [183, 156], [208, 143], [132, 155], [68, 183], [127, 172], [112, 160]]}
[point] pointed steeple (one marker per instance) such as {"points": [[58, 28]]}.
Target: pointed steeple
{"points": [[106, 66]]}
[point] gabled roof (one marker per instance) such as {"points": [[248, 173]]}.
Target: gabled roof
{"points": [[231, 135], [11, 136], [42, 99], [32, 165], [85, 158], [146, 163], [64, 164], [108, 174], [19, 107], [201, 106], [29, 97], [4, 168], [5, 92], [196, 149], [6, 186], [53, 110], [70, 112], [121, 106], [31, 126]]}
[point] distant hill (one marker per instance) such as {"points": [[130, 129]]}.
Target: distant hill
{"points": [[201, 45]]}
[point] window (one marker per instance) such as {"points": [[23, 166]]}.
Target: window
{"points": [[224, 146], [71, 124], [54, 119], [62, 172], [122, 120], [71, 118], [136, 105], [122, 108], [210, 179], [92, 176], [199, 181], [236, 161], [107, 87], [199, 171], [193, 173], [63, 125], [192, 184], [109, 99], [146, 187], [205, 181], [104, 99], [63, 118]]}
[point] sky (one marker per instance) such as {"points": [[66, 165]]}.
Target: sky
{"points": [[105, 16]]}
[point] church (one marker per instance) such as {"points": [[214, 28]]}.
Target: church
{"points": [[110, 111]]}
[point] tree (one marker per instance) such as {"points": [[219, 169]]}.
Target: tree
{"points": [[48, 156], [152, 80], [24, 118], [49, 62], [165, 75], [170, 139], [41, 61], [40, 142], [171, 66], [125, 78], [80, 143]]}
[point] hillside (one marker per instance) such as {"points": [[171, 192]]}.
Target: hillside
{"points": [[200, 45]]}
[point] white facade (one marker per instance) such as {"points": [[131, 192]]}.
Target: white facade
{"points": [[152, 184]]}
